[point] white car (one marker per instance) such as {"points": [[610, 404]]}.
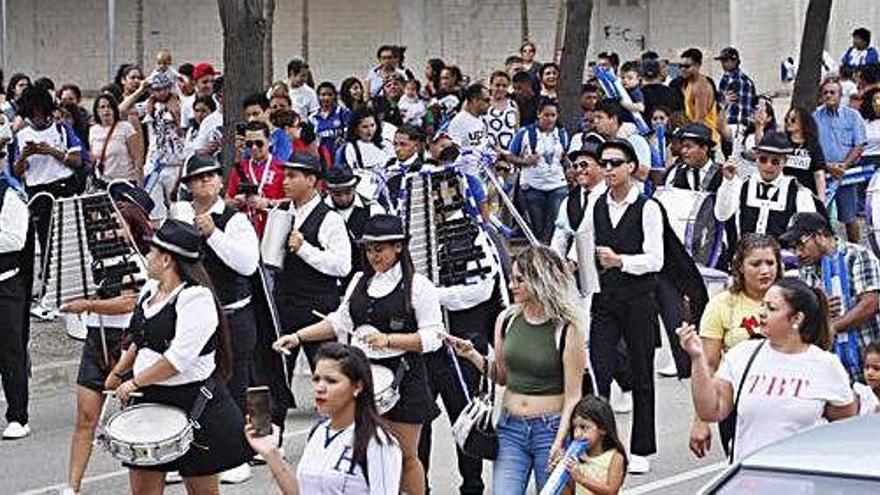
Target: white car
{"points": [[838, 458]]}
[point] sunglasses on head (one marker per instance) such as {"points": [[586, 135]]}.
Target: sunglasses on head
{"points": [[773, 160], [612, 162], [258, 143]]}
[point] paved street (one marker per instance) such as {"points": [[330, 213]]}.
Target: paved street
{"points": [[38, 464]]}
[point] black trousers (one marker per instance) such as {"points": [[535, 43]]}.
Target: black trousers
{"points": [[634, 320], [13, 349], [443, 381], [672, 312], [243, 337]]}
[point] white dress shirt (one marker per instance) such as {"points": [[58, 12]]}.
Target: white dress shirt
{"points": [[727, 202], [425, 304], [237, 245], [651, 260], [196, 322], [13, 227], [333, 257]]}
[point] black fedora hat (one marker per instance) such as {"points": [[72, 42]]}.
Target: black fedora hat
{"points": [[306, 162], [179, 238], [199, 164], [341, 177], [697, 132], [622, 145], [383, 228], [775, 143]]}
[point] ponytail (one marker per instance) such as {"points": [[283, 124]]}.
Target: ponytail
{"points": [[823, 324], [816, 328]]}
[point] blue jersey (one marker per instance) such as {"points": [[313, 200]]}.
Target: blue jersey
{"points": [[331, 129]]}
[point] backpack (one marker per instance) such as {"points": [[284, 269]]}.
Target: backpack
{"points": [[532, 131]]}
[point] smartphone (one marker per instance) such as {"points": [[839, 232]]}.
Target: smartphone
{"points": [[259, 410], [687, 313]]}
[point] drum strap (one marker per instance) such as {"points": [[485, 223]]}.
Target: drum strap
{"points": [[206, 393], [399, 373]]}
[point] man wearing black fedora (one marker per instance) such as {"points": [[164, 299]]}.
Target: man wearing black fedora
{"points": [[354, 208], [696, 170], [318, 257], [232, 255], [765, 202]]}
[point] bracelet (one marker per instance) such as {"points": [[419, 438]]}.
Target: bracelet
{"points": [[387, 341], [119, 375]]}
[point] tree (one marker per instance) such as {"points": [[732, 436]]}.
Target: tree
{"points": [[268, 54], [806, 84], [574, 55], [244, 35]]}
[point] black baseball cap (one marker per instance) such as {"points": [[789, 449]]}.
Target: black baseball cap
{"points": [[728, 53], [804, 224]]}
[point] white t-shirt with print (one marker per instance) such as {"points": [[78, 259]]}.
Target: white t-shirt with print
{"points": [[501, 125], [467, 130], [43, 169], [783, 394]]}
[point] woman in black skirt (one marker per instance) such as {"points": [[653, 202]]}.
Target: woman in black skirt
{"points": [[405, 309], [180, 345]]}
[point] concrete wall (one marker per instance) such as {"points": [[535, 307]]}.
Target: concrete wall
{"points": [[66, 39]]}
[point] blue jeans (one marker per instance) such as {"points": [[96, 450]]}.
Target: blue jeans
{"points": [[523, 446], [543, 206]]}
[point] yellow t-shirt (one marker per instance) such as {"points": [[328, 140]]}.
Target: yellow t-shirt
{"points": [[596, 468], [731, 318]]}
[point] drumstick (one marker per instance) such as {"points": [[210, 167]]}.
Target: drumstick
{"points": [[113, 392]]}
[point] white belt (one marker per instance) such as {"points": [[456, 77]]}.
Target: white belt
{"points": [[241, 303], [8, 274]]}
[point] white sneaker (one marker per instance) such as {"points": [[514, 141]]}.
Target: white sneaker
{"points": [[173, 477], [621, 402], [67, 491], [638, 464], [238, 474], [16, 430], [39, 310]]}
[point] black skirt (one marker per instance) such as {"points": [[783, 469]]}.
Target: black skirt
{"points": [[219, 444], [92, 368], [415, 405]]}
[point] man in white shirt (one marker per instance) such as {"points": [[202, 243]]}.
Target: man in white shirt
{"points": [[303, 99], [467, 129], [626, 229], [13, 336]]}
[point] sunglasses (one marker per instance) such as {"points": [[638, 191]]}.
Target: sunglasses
{"points": [[612, 162], [775, 161], [258, 143], [800, 243], [583, 164]]}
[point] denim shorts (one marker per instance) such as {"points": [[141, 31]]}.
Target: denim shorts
{"points": [[523, 447]]}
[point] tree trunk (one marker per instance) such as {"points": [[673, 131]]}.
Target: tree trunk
{"points": [[806, 84], [305, 31], [571, 65], [524, 20], [244, 35], [139, 33], [268, 55]]}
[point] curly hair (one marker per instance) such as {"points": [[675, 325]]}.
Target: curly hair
{"points": [[746, 245]]}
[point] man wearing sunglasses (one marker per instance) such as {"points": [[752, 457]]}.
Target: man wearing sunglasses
{"points": [[766, 202], [855, 316], [696, 170], [627, 230]]}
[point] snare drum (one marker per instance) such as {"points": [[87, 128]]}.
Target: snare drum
{"points": [[385, 392], [716, 281], [692, 217], [147, 434]]}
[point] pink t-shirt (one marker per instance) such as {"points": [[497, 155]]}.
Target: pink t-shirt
{"points": [[118, 163]]}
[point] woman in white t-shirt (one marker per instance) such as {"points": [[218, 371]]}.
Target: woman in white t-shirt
{"points": [[792, 383], [364, 149], [349, 452], [117, 146], [502, 117]]}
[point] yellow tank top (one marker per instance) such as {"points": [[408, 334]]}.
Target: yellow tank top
{"points": [[711, 118], [597, 468]]}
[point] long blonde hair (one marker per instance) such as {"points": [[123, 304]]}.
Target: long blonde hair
{"points": [[550, 282]]}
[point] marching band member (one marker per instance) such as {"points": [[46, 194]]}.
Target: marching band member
{"points": [[111, 316], [405, 309], [14, 217], [696, 170], [765, 202], [354, 208], [180, 350], [351, 451], [231, 254], [408, 146], [318, 257], [855, 317], [626, 228]]}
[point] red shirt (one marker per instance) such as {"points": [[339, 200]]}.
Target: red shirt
{"points": [[270, 185]]}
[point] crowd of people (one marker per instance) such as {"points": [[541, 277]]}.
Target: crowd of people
{"points": [[317, 222]]}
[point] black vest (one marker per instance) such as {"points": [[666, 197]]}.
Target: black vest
{"points": [[388, 314], [229, 285], [575, 207], [156, 333], [710, 182], [12, 259], [777, 221], [299, 280], [626, 238]]}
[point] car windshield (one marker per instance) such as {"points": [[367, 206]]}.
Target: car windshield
{"points": [[759, 482]]}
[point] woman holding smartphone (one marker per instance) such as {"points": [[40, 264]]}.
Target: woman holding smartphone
{"points": [[351, 451]]}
